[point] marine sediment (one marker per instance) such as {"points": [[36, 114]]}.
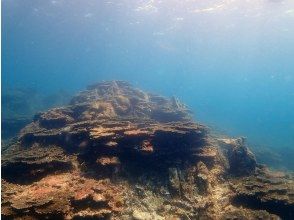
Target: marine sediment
{"points": [[116, 152]]}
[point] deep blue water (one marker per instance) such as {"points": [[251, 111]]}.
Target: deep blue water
{"points": [[231, 61]]}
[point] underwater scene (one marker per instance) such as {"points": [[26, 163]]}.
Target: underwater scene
{"points": [[147, 109]]}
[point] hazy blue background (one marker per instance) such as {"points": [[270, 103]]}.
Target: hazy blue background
{"points": [[231, 61]]}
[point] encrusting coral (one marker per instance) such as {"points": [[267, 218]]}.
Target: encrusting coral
{"points": [[116, 152]]}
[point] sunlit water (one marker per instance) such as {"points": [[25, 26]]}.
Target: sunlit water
{"points": [[231, 61]]}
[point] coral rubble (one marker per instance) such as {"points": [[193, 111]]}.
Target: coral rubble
{"points": [[116, 152]]}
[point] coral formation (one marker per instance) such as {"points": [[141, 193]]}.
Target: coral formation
{"points": [[116, 152]]}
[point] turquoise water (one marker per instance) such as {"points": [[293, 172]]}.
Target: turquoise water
{"points": [[231, 61]]}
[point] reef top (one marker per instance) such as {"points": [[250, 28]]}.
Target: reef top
{"points": [[120, 99]]}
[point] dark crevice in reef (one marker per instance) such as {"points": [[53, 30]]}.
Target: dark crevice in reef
{"points": [[89, 203], [70, 142], [23, 173], [284, 211]]}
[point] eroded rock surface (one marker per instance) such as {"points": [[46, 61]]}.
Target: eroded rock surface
{"points": [[116, 152]]}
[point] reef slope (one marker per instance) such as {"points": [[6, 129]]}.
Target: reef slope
{"points": [[116, 152]]}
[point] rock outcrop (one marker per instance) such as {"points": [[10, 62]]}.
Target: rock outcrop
{"points": [[116, 152]]}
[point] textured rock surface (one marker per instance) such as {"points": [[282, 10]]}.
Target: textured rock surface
{"points": [[272, 191], [241, 160], [116, 152]]}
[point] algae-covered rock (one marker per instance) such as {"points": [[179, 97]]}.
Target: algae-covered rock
{"points": [[241, 160]]}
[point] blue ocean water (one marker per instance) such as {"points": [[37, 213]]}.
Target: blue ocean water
{"points": [[230, 61]]}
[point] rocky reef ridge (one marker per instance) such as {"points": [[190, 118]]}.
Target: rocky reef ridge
{"points": [[116, 152]]}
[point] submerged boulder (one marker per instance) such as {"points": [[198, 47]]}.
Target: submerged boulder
{"points": [[240, 159], [116, 152]]}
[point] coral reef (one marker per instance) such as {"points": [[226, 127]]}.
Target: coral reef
{"points": [[116, 152]]}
